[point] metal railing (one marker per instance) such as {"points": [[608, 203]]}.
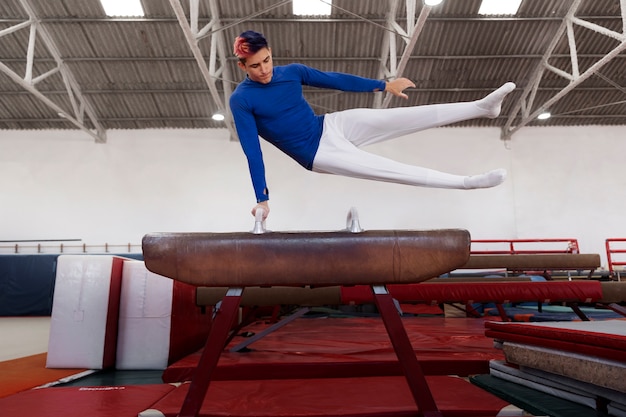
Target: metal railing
{"points": [[615, 247], [525, 246], [64, 246]]}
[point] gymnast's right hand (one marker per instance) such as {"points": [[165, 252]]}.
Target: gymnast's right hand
{"points": [[397, 86], [263, 205]]}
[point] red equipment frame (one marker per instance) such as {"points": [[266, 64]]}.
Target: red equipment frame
{"points": [[612, 250], [224, 320]]}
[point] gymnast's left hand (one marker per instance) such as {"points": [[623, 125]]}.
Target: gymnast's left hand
{"points": [[397, 86]]}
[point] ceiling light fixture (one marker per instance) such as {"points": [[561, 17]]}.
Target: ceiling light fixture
{"points": [[545, 115], [499, 7], [432, 2], [218, 117], [312, 7], [122, 7]]}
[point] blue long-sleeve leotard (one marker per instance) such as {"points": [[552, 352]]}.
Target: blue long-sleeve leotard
{"points": [[278, 112]]}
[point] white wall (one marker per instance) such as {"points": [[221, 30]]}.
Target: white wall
{"points": [[563, 182]]}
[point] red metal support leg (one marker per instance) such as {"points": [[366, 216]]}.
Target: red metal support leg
{"points": [[216, 340], [299, 313], [581, 315], [618, 309], [502, 312], [406, 355]]}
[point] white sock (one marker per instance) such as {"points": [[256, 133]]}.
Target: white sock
{"points": [[492, 103], [486, 180]]}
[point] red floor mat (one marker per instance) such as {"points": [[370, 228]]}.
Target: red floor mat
{"points": [[339, 397], [124, 401], [29, 372], [341, 347]]}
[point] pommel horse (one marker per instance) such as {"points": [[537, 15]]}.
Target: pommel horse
{"points": [[347, 257]]}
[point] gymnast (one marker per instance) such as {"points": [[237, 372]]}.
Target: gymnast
{"points": [[269, 103]]}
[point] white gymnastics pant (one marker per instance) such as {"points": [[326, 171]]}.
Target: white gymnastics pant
{"points": [[346, 131]]}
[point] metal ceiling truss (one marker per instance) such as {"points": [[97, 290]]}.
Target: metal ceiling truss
{"points": [[524, 107], [217, 68], [81, 107], [391, 67]]}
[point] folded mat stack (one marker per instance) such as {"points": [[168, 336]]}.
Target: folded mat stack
{"points": [[583, 362]]}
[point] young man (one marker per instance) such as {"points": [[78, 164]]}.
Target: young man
{"points": [[269, 103]]}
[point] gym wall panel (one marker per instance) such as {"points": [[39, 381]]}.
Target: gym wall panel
{"points": [[562, 182], [27, 284]]}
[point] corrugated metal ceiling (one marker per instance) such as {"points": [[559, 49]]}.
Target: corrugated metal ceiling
{"points": [[141, 73]]}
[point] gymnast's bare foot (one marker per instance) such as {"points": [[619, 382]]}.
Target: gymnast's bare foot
{"points": [[493, 102], [486, 180]]}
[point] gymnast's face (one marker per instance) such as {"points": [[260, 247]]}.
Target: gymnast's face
{"points": [[259, 66]]}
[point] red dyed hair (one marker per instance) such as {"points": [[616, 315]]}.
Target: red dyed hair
{"points": [[248, 44]]}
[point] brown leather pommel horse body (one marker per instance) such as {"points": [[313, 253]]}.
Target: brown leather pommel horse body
{"points": [[239, 260], [306, 258]]}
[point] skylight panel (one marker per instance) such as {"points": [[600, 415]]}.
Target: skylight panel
{"points": [[312, 7], [499, 7], [123, 7]]}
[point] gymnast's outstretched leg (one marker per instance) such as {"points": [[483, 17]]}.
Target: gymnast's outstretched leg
{"points": [[367, 126], [345, 131], [340, 157]]}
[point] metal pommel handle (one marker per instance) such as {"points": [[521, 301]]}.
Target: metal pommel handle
{"points": [[259, 223], [352, 221]]}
